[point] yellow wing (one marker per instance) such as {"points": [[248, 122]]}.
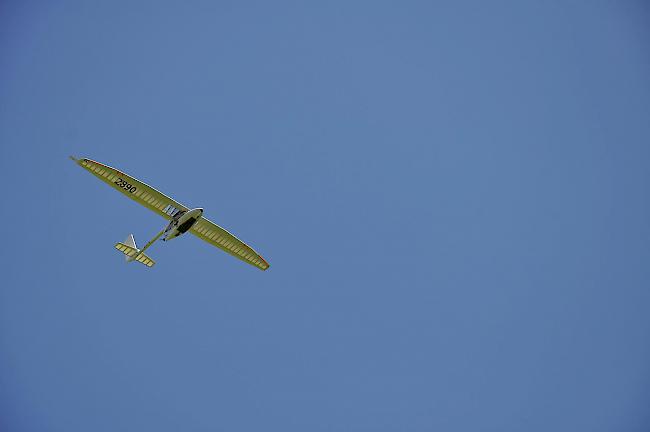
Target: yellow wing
{"points": [[136, 190], [219, 237]]}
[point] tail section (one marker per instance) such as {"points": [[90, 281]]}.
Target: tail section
{"points": [[131, 252]]}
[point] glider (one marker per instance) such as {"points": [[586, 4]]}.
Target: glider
{"points": [[181, 218]]}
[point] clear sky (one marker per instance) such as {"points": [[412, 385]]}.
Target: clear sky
{"points": [[454, 198]]}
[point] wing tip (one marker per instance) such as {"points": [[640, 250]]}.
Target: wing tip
{"points": [[265, 266]]}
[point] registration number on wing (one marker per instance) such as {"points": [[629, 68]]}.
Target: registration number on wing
{"points": [[125, 185]]}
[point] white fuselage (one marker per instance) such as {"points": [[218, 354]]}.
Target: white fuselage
{"points": [[182, 224]]}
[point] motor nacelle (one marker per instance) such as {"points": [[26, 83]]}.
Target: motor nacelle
{"points": [[181, 223]]}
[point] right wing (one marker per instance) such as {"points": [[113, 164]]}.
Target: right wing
{"points": [[219, 237], [139, 192]]}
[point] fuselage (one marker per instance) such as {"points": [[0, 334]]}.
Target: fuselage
{"points": [[182, 224]]}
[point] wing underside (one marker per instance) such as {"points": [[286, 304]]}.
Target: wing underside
{"points": [[138, 191], [219, 237]]}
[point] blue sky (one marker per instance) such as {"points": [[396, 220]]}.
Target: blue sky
{"points": [[453, 198]]}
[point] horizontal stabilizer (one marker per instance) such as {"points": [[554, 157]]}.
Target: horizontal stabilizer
{"points": [[131, 252]]}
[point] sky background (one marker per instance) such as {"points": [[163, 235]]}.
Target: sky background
{"points": [[454, 198]]}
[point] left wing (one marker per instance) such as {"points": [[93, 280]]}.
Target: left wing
{"points": [[140, 192], [219, 237]]}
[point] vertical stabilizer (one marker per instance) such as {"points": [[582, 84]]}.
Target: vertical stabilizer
{"points": [[130, 241]]}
